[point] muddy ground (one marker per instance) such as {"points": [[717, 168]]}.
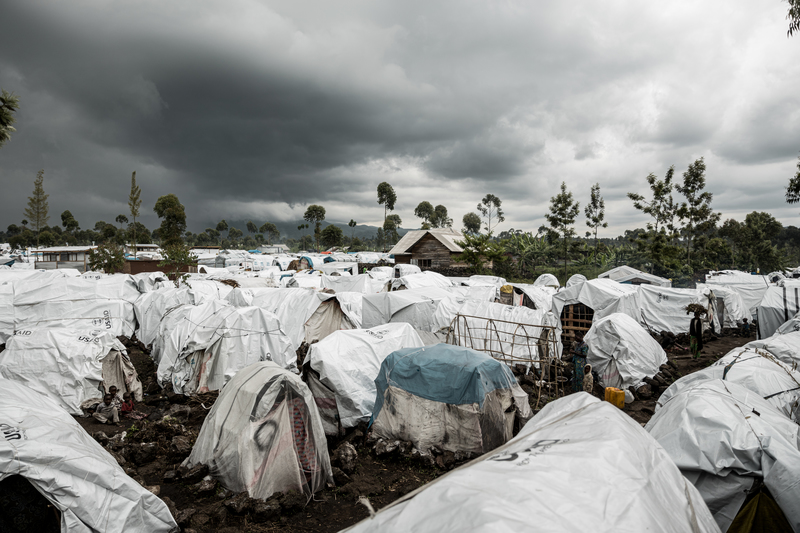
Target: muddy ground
{"points": [[154, 448]]}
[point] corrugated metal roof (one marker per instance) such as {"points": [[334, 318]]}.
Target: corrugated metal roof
{"points": [[446, 236]]}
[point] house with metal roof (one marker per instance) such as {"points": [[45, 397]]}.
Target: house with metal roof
{"points": [[432, 248]]}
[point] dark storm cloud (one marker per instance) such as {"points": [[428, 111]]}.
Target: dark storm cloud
{"points": [[258, 108]]}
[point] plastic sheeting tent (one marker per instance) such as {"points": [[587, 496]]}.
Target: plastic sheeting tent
{"points": [[201, 347], [622, 352], [421, 281], [413, 306], [345, 365], [69, 366], [514, 332], [547, 280], [777, 307], [76, 303], [579, 465], [526, 295], [264, 435], [597, 294], [733, 310], [363, 283], [447, 396], [724, 438], [626, 274], [45, 445], [305, 314], [749, 286], [151, 306], [758, 371], [576, 279], [785, 347]]}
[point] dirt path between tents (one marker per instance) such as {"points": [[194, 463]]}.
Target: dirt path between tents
{"points": [[154, 448]]}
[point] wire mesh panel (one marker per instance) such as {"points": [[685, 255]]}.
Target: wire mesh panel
{"points": [[530, 345]]}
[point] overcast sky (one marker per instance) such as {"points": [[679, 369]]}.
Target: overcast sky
{"points": [[253, 110]]}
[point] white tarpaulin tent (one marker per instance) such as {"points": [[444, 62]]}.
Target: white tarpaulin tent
{"points": [[622, 352], [749, 286], [547, 280], [69, 366], [626, 274], [201, 347], [733, 309], [664, 308], [415, 306], [538, 297], [758, 371], [451, 397], [346, 363], [785, 347], [597, 294], [724, 437], [76, 303], [778, 306], [363, 283], [151, 306], [305, 314], [421, 281], [576, 279], [511, 326], [264, 435], [579, 465], [45, 445]]}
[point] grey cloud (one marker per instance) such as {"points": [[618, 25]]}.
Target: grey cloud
{"points": [[297, 103]]}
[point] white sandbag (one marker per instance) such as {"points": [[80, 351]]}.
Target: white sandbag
{"points": [[44, 444]]}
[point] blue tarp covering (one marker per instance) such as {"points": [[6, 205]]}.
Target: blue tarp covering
{"points": [[442, 373]]}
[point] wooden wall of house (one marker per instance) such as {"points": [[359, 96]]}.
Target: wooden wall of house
{"points": [[402, 259], [429, 247]]}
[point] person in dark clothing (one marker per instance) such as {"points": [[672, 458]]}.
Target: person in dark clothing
{"points": [[696, 335], [579, 352]]}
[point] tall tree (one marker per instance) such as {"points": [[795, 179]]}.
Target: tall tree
{"points": [[386, 197], [68, 221], [563, 212], [696, 210], [134, 203], [331, 236], [37, 206], [426, 212], [595, 212], [793, 190], [352, 225], [661, 207], [440, 218], [9, 103], [271, 231], [793, 17], [251, 227], [173, 220], [121, 220], [222, 226], [472, 223], [490, 208], [390, 227], [315, 214]]}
